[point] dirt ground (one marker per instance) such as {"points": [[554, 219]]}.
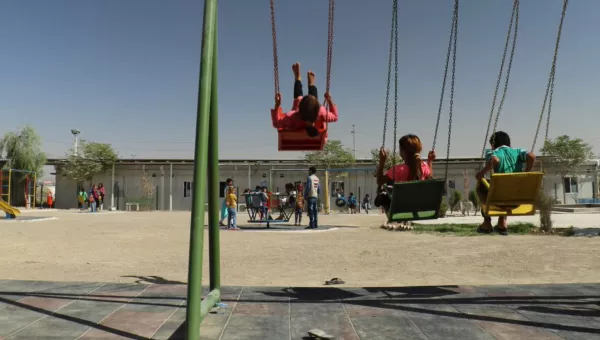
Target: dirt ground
{"points": [[130, 247]]}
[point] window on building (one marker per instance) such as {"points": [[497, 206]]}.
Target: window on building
{"points": [[570, 185], [187, 189], [451, 184]]}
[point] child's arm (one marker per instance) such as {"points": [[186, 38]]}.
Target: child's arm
{"points": [[488, 167], [381, 176], [331, 115], [530, 159], [430, 158]]}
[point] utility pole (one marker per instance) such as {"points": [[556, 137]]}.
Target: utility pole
{"points": [[353, 132], [76, 133]]}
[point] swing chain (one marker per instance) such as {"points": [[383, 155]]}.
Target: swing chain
{"points": [[514, 20], [329, 45], [550, 87], [451, 109], [389, 75], [439, 114], [275, 54], [395, 87]]}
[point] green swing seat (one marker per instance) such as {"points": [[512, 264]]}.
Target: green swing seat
{"points": [[417, 200]]}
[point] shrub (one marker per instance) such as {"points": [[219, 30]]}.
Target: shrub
{"points": [[443, 209], [544, 205], [455, 200], [474, 198]]}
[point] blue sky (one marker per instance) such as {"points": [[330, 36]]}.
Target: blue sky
{"points": [[126, 72]]}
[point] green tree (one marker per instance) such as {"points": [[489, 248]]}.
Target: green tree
{"points": [[23, 150], [455, 200], [389, 162], [333, 155], [565, 155], [92, 159]]}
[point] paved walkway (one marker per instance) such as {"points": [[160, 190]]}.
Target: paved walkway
{"points": [[52, 310]]}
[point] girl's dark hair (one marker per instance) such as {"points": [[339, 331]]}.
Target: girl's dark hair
{"points": [[312, 131], [309, 108], [309, 111], [500, 138], [412, 146]]}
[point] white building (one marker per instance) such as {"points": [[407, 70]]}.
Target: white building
{"points": [[168, 183]]}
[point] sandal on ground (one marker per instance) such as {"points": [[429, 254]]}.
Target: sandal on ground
{"points": [[335, 281], [319, 334]]}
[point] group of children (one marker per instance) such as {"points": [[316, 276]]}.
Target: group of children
{"points": [[94, 198], [308, 113], [502, 158]]}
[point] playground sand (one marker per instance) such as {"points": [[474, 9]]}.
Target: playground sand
{"points": [[153, 247]]}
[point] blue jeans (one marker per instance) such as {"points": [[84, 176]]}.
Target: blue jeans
{"points": [[313, 212], [93, 206], [231, 218]]}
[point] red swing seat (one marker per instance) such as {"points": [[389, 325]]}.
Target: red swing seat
{"points": [[298, 140]]}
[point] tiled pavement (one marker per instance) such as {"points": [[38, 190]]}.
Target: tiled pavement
{"points": [[59, 310]]}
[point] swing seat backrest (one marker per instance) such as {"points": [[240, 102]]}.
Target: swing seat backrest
{"points": [[512, 194], [418, 200], [298, 140]]}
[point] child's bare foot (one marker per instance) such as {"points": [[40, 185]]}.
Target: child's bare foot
{"points": [[310, 75], [296, 69]]}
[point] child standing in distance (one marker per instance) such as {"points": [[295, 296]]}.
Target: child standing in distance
{"points": [[228, 183], [504, 160], [352, 203], [299, 206], [231, 201], [313, 189], [307, 112], [366, 203]]}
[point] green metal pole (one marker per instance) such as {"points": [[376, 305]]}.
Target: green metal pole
{"points": [[194, 293], [214, 249]]}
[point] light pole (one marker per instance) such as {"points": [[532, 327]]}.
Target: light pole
{"points": [[353, 132], [76, 133]]}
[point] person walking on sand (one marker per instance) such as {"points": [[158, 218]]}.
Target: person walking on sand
{"points": [[228, 183]]}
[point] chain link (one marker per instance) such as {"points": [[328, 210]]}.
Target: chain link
{"points": [[514, 20], [329, 45], [451, 108], [389, 76], [439, 114], [275, 54], [550, 87], [395, 88]]}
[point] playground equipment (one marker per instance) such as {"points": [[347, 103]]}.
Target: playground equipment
{"points": [[11, 212], [517, 193], [325, 187], [419, 199], [206, 170], [11, 179], [297, 139]]}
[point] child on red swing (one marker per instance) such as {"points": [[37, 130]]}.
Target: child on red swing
{"points": [[413, 168], [307, 112]]}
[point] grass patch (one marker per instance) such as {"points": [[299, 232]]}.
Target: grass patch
{"points": [[471, 229]]}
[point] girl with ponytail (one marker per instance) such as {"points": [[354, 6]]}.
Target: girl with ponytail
{"points": [[307, 112], [413, 169]]}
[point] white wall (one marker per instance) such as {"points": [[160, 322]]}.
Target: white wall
{"points": [[127, 177]]}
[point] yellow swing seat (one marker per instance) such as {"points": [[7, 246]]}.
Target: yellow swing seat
{"points": [[512, 194]]}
